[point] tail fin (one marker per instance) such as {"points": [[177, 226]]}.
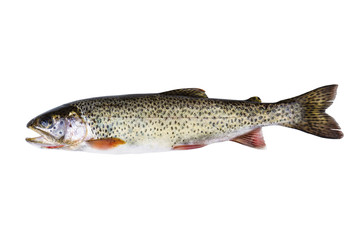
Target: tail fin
{"points": [[314, 119]]}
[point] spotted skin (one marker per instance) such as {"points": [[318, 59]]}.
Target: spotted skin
{"points": [[187, 117], [178, 119]]}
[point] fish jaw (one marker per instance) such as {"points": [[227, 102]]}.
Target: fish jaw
{"points": [[44, 140]]}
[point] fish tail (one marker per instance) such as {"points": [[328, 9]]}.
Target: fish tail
{"points": [[313, 119]]}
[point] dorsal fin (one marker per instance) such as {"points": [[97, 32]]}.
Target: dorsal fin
{"points": [[186, 92], [254, 99]]}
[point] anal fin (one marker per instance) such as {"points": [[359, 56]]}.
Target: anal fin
{"points": [[253, 139]]}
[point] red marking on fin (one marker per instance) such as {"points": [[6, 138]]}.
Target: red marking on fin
{"points": [[253, 139], [105, 143], [53, 147], [188, 147]]}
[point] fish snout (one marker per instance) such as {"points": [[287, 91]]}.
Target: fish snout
{"points": [[31, 123]]}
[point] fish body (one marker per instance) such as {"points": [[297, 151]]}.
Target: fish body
{"points": [[177, 120]]}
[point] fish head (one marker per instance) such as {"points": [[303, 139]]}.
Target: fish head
{"points": [[61, 127]]}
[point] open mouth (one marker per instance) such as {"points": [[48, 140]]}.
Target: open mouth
{"points": [[44, 140]]}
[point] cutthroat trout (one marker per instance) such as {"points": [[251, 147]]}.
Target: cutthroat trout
{"points": [[178, 120]]}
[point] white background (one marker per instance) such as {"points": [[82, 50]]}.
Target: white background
{"points": [[299, 187]]}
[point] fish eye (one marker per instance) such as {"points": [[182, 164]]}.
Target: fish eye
{"points": [[46, 121]]}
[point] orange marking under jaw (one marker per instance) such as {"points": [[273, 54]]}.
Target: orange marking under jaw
{"points": [[106, 143], [52, 147]]}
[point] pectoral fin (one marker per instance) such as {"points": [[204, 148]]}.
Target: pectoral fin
{"points": [[253, 139], [105, 143]]}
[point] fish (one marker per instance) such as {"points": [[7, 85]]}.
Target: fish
{"points": [[180, 119]]}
